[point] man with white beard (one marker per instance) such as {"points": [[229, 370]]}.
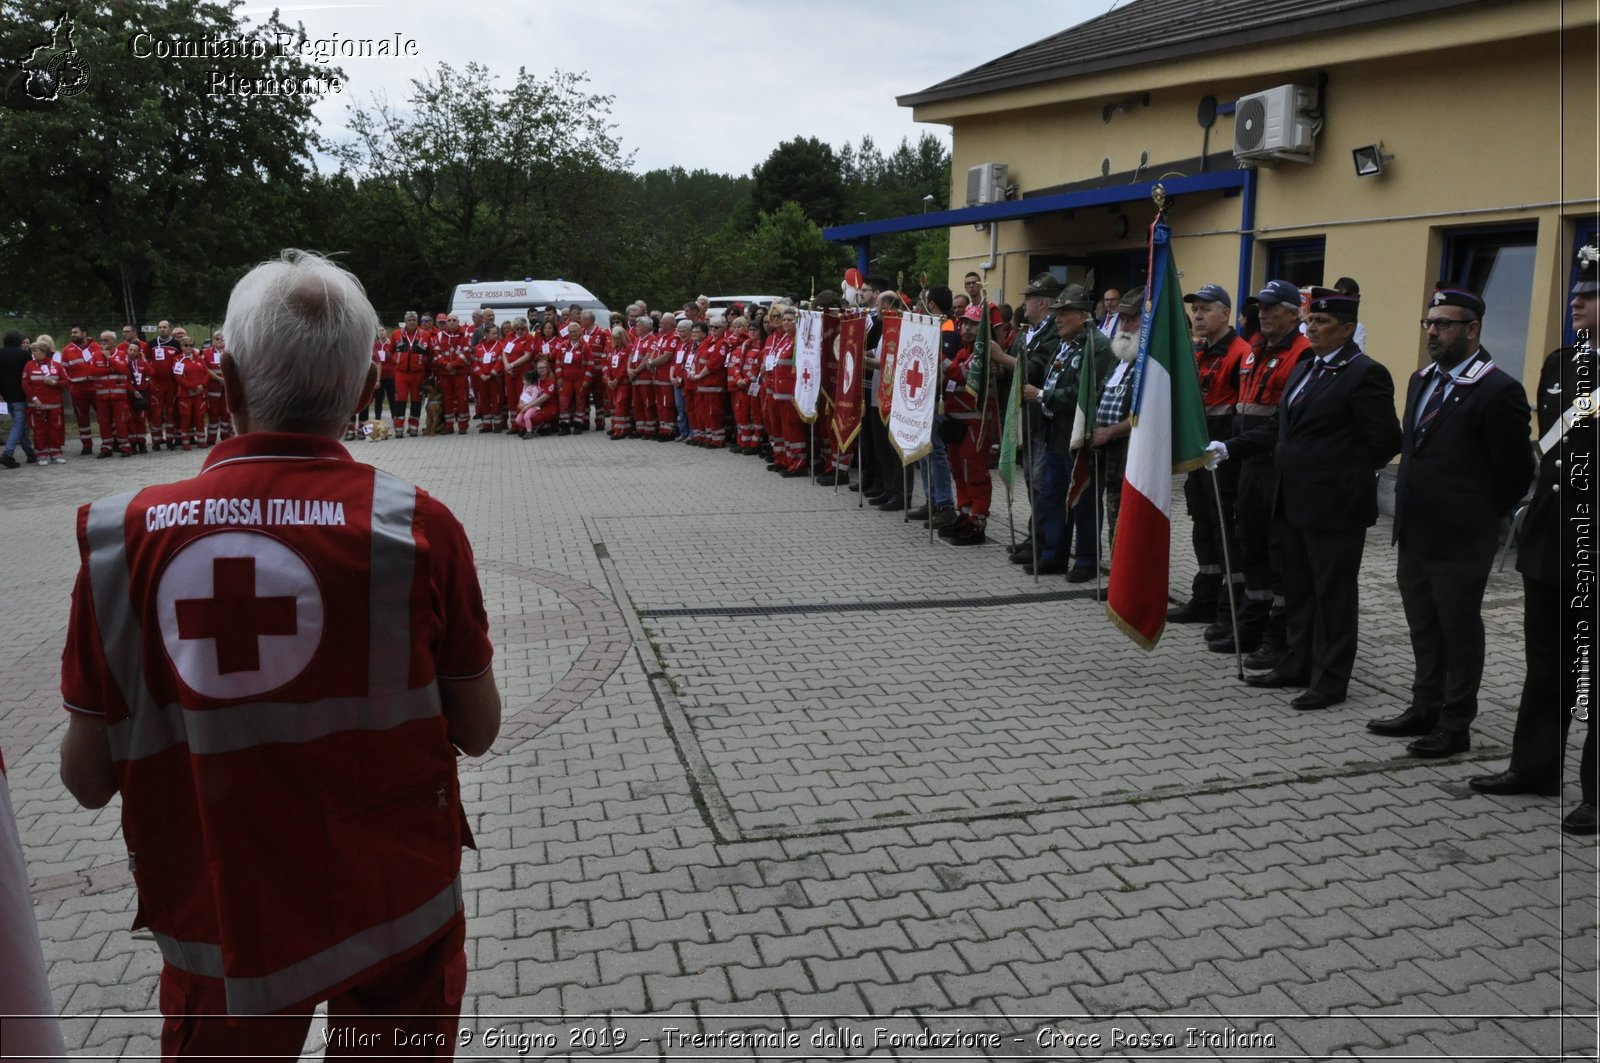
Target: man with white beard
{"points": [[1113, 418]]}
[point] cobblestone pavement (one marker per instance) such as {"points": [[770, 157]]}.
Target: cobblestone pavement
{"points": [[775, 768]]}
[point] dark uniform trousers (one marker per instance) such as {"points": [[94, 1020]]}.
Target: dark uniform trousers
{"points": [[1551, 689], [1559, 613], [1325, 445], [1216, 546], [1457, 481]]}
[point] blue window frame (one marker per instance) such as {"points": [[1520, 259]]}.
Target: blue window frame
{"points": [[1300, 262]]}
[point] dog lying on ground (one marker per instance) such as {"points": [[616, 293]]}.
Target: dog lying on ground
{"points": [[372, 431]]}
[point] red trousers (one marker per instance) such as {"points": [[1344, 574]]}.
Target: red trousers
{"points": [[492, 400], [191, 412], [412, 1009], [453, 396], [644, 405], [713, 424], [83, 412], [163, 411], [218, 419], [666, 408], [969, 469], [573, 395], [48, 428], [111, 411], [407, 392], [788, 434], [621, 407]]}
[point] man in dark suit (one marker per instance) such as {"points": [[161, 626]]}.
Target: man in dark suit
{"points": [[1464, 463], [1334, 428], [1557, 576]]}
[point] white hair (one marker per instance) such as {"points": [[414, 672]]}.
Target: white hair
{"points": [[300, 335]]}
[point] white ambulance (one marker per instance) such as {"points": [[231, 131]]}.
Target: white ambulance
{"points": [[523, 298]]}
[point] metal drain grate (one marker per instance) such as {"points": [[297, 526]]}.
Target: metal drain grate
{"points": [[872, 607]]}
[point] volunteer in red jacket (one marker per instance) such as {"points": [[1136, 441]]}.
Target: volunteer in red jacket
{"points": [[569, 357], [710, 382], [969, 463], [164, 355], [104, 376], [663, 363], [618, 397], [219, 423], [136, 356], [78, 358], [189, 376], [410, 347], [452, 365], [44, 385], [642, 379], [489, 368], [274, 663], [789, 432], [598, 340]]}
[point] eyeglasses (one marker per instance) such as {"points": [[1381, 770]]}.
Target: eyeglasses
{"points": [[1441, 323]]}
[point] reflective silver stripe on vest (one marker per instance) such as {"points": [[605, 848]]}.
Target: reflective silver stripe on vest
{"points": [[267, 993], [236, 727], [196, 957], [113, 604], [393, 570], [1257, 409], [1221, 410]]}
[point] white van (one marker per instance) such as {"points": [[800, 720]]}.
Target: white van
{"points": [[523, 298], [720, 303]]}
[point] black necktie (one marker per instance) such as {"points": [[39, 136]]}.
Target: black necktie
{"points": [[1317, 374], [1435, 403]]}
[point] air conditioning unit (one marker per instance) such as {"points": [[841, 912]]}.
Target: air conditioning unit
{"points": [[986, 183], [1274, 124]]}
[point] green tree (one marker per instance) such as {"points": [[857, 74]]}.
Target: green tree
{"points": [[147, 180], [480, 180], [804, 171], [788, 255]]}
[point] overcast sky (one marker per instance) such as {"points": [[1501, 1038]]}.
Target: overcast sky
{"points": [[711, 84]]}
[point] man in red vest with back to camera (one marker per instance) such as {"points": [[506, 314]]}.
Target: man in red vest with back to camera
{"points": [[275, 663]]}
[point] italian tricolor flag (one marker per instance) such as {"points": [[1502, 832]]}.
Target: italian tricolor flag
{"points": [[1169, 436]]}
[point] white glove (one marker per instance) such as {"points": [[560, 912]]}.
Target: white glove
{"points": [[1218, 452]]}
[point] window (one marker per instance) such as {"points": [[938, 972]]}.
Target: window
{"points": [[1497, 263], [1300, 262]]}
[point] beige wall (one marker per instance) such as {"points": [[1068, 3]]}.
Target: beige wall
{"points": [[1494, 121]]}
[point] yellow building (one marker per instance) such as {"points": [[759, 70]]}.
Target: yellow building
{"points": [[1479, 119]]}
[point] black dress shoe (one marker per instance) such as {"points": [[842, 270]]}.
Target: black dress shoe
{"points": [[1265, 658], [1044, 568], [920, 513], [1192, 613], [1582, 820], [1080, 574], [1440, 744], [1413, 721], [1217, 632], [892, 505], [1312, 700], [1024, 547], [1022, 557], [1508, 782], [1276, 679]]}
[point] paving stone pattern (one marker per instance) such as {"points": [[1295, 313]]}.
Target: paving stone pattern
{"points": [[813, 834]]}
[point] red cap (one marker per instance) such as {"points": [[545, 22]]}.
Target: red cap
{"points": [[973, 312]]}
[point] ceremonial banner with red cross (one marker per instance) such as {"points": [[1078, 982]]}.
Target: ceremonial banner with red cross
{"points": [[888, 346], [807, 363], [916, 387], [848, 384]]}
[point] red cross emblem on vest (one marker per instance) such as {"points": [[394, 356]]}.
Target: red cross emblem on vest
{"points": [[914, 378], [234, 617], [241, 614]]}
